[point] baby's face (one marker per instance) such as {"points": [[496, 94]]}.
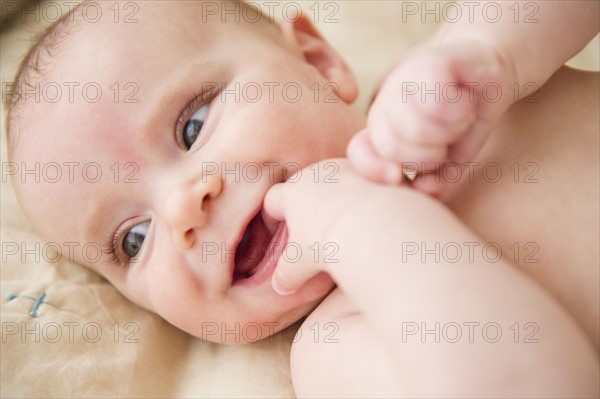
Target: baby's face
{"points": [[186, 167]]}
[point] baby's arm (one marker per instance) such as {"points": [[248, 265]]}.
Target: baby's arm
{"points": [[377, 229], [538, 37], [441, 102]]}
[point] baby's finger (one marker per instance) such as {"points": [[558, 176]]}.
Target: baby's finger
{"points": [[290, 274], [396, 148], [466, 150], [443, 100], [367, 162], [425, 103], [274, 203]]}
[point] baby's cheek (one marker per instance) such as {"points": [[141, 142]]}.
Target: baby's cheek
{"points": [[166, 290], [179, 308]]}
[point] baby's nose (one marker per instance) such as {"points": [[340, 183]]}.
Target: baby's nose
{"points": [[187, 208]]}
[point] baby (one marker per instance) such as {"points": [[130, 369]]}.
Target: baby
{"points": [[197, 229]]}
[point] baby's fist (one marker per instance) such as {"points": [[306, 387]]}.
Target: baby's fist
{"points": [[438, 105]]}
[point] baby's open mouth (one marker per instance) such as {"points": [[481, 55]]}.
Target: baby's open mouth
{"points": [[254, 250]]}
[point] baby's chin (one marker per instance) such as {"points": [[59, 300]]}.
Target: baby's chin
{"points": [[276, 314]]}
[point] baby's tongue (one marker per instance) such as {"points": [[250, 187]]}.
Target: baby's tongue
{"points": [[253, 246]]}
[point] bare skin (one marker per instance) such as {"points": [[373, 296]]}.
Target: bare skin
{"points": [[563, 283], [168, 274], [567, 189]]}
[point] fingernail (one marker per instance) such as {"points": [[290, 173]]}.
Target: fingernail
{"points": [[392, 174], [280, 289], [411, 175]]}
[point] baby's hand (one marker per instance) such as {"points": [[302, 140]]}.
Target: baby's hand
{"points": [[310, 204], [438, 105]]}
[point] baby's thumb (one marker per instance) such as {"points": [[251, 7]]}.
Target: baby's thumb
{"points": [[273, 204], [291, 272]]}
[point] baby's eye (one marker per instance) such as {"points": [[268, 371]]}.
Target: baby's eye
{"points": [[192, 128], [134, 238]]}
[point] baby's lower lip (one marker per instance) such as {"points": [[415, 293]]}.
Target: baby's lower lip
{"points": [[267, 264]]}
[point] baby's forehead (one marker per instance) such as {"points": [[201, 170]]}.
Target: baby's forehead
{"points": [[159, 24], [158, 21]]}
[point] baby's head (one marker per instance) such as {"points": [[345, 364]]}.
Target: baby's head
{"points": [[189, 119]]}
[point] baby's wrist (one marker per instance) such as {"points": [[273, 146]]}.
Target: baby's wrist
{"points": [[493, 52], [498, 65]]}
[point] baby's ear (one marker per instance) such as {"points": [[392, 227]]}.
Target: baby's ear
{"points": [[302, 34]]}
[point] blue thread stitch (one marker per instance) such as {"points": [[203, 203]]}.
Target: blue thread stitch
{"points": [[37, 304], [38, 301]]}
